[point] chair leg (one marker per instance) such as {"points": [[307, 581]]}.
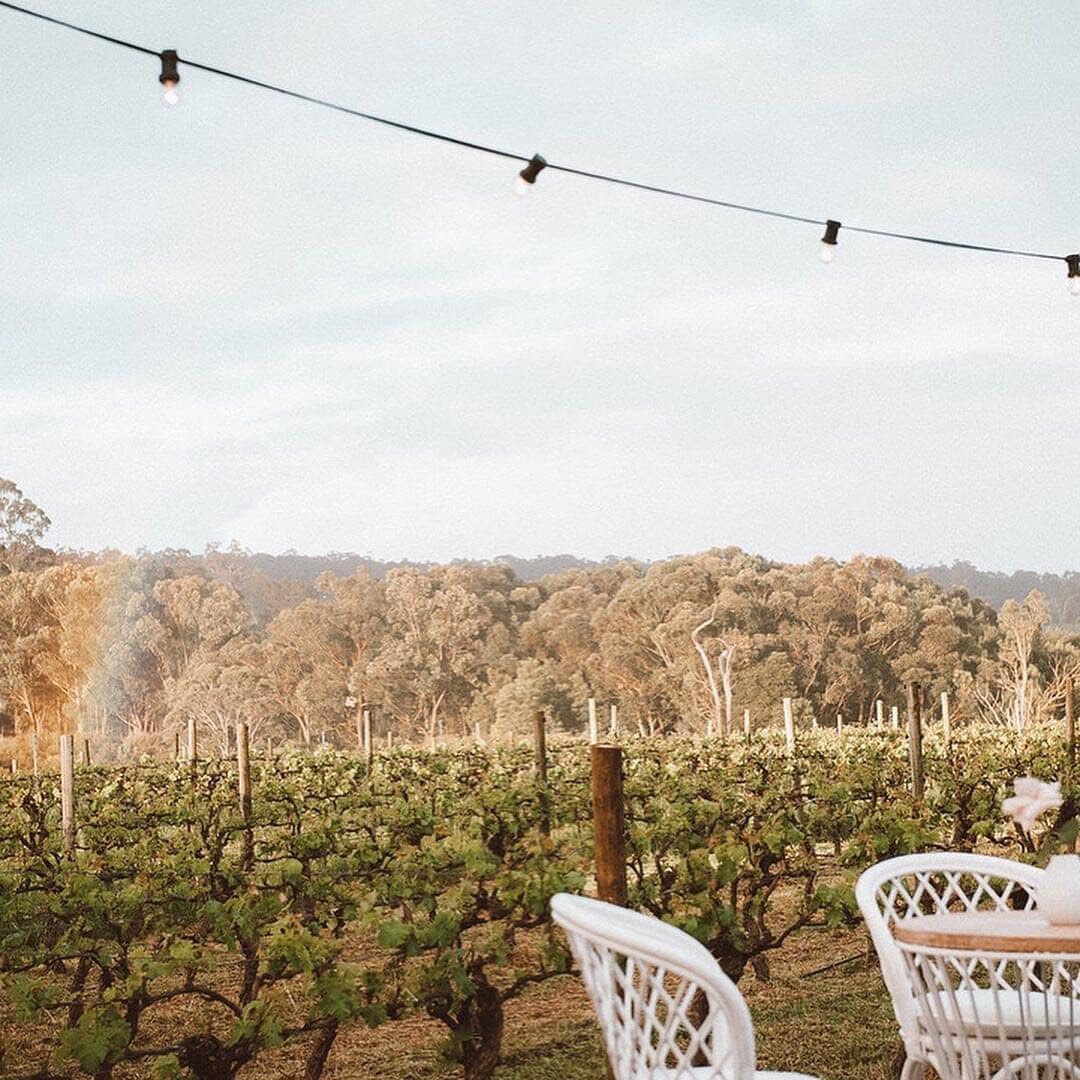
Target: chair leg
{"points": [[913, 1070]]}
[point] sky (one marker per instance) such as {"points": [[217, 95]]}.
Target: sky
{"points": [[246, 318]]}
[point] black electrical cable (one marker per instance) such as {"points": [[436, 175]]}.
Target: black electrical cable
{"points": [[481, 147]]}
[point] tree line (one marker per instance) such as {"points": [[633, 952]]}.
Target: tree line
{"points": [[125, 648]]}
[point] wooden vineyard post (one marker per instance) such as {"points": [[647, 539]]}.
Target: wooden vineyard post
{"points": [[894, 714], [369, 744], [192, 741], [478, 736], [360, 729], [176, 746], [14, 767], [243, 773], [613, 729], [593, 735], [34, 764], [540, 744], [609, 839], [839, 723], [389, 740], [879, 708], [540, 750], [746, 722], [1070, 724], [86, 752], [789, 727], [914, 717], [67, 792], [813, 722], [946, 720]]}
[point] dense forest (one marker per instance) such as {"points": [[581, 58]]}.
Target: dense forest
{"points": [[125, 648]]}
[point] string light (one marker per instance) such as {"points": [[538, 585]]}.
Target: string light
{"points": [[527, 177], [170, 79], [828, 241], [1073, 263]]}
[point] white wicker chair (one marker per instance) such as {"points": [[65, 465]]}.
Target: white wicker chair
{"points": [[642, 976], [913, 885]]}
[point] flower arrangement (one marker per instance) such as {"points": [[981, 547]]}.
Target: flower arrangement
{"points": [[1033, 798]]}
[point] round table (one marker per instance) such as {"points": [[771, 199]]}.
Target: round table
{"points": [[998, 993]]}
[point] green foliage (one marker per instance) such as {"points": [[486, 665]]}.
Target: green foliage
{"points": [[440, 868]]}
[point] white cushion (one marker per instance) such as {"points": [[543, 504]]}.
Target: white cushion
{"points": [[705, 1072], [983, 1010]]}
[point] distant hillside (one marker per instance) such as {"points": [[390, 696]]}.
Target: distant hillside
{"points": [[291, 566], [296, 574], [1062, 591]]}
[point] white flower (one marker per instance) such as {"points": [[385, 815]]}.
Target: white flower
{"points": [[1033, 797]]}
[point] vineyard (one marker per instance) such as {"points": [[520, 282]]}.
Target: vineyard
{"points": [[339, 894]]}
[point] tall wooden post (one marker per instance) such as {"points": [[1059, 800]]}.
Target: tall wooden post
{"points": [[67, 792], [369, 743], [243, 769], [746, 722], [593, 734], [34, 764], [879, 710], [609, 839], [192, 740], [1070, 724], [839, 723], [86, 751], [540, 744], [540, 750], [789, 726], [946, 720], [914, 711], [894, 714], [613, 728], [243, 773]]}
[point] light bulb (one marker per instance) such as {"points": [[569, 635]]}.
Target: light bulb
{"points": [[1072, 262], [169, 77], [828, 241]]}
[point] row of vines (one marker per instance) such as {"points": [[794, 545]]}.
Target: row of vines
{"points": [[182, 938]]}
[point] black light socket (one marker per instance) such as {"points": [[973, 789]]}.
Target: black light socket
{"points": [[533, 169], [169, 75]]}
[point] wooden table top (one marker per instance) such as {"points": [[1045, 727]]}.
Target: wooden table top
{"points": [[989, 931]]}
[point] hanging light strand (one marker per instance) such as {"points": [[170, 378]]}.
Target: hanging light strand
{"points": [[534, 163]]}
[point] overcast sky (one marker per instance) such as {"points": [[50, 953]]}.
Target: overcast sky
{"points": [[248, 318]]}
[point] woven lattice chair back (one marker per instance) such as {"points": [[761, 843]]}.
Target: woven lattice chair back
{"points": [[643, 976], [911, 886]]}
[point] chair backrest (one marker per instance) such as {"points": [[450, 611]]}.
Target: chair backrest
{"points": [[910, 886], [643, 976]]}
